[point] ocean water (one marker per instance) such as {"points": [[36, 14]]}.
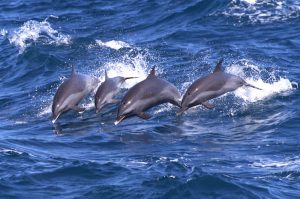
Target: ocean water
{"points": [[247, 147]]}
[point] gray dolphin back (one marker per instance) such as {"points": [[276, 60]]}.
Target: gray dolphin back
{"points": [[146, 94]]}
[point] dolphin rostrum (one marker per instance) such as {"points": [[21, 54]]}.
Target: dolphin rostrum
{"points": [[146, 94], [107, 90], [71, 92], [209, 87]]}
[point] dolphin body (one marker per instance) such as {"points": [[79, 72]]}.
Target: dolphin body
{"points": [[71, 92], [107, 90], [209, 87], [146, 94]]}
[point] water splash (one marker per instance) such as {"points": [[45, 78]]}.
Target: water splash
{"points": [[270, 85], [127, 66], [32, 31], [113, 44]]}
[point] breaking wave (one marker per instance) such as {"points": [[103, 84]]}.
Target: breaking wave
{"points": [[33, 31]]}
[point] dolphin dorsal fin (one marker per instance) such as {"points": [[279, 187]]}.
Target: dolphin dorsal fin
{"points": [[218, 67], [152, 72], [106, 76]]}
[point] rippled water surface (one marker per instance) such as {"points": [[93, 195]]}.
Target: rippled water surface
{"points": [[246, 147]]}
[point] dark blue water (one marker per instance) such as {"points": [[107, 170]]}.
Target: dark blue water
{"points": [[247, 147]]}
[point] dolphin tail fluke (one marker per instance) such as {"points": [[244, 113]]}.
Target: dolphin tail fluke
{"points": [[250, 85]]}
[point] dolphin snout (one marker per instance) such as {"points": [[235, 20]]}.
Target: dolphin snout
{"points": [[119, 119], [54, 118]]}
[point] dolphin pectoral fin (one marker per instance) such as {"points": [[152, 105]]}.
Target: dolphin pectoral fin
{"points": [[207, 105], [249, 85], [78, 109], [144, 115]]}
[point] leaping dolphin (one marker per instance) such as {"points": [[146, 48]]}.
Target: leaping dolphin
{"points": [[71, 92], [209, 87], [146, 94], [107, 90]]}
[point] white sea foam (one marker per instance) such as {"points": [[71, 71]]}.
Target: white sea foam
{"points": [[3, 32], [263, 11], [126, 66], [32, 30], [164, 108], [45, 110], [287, 163], [270, 87], [113, 44], [19, 122], [250, 1], [11, 151]]}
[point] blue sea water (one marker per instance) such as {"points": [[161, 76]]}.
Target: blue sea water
{"points": [[247, 147]]}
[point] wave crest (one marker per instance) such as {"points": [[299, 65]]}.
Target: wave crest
{"points": [[32, 30]]}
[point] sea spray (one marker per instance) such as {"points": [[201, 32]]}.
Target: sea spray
{"points": [[33, 31]]}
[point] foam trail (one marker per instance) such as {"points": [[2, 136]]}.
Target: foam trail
{"points": [[32, 30], [113, 44], [269, 88]]}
